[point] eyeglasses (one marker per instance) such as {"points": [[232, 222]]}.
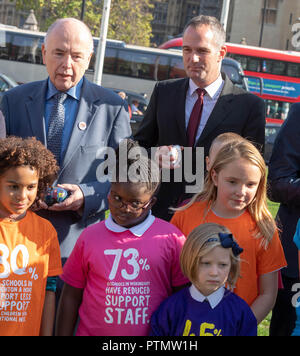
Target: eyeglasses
{"points": [[117, 202]]}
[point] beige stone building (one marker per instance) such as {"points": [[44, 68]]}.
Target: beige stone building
{"points": [[9, 14], [245, 21]]}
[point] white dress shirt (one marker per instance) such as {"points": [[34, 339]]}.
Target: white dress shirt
{"points": [[213, 92]]}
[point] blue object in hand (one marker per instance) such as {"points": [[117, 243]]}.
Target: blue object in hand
{"points": [[56, 195]]}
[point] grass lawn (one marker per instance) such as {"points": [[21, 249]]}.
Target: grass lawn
{"points": [[263, 327]]}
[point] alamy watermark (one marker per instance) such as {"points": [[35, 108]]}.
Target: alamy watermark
{"points": [[191, 172], [296, 297]]}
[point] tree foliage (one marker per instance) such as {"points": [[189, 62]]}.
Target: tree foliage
{"points": [[130, 20]]}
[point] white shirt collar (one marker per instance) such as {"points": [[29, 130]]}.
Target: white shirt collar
{"points": [[212, 89], [137, 230], [213, 299]]}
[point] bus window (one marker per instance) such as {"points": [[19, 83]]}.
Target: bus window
{"points": [[25, 49], [293, 70], [5, 44], [160, 68], [278, 68], [139, 65], [131, 65], [240, 58], [176, 68], [253, 64], [109, 66]]}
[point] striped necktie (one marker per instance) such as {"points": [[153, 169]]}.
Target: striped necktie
{"points": [[56, 125]]}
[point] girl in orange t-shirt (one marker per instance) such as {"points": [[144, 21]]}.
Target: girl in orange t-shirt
{"points": [[234, 195], [29, 248]]}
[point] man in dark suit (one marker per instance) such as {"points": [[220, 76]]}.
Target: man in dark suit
{"points": [[284, 187], [224, 107], [95, 118]]}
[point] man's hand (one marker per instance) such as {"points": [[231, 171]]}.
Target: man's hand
{"points": [[164, 159], [74, 202]]}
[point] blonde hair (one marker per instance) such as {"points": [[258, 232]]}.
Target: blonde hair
{"points": [[217, 143], [198, 245], [225, 138], [258, 208]]}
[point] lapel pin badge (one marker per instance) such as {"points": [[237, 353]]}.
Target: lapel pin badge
{"points": [[82, 126]]}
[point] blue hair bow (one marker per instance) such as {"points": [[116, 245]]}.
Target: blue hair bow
{"points": [[227, 241]]}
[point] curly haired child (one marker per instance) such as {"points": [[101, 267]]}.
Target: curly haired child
{"points": [[29, 249]]}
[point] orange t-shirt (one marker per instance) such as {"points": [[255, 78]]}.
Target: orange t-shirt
{"points": [[29, 253], [255, 259]]}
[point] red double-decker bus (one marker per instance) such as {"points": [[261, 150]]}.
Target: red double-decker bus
{"points": [[279, 71]]}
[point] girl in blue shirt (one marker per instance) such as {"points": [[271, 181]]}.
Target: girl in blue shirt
{"points": [[209, 259]]}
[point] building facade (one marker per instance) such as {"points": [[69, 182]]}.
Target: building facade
{"points": [[245, 20], [170, 16], [9, 15], [246, 23]]}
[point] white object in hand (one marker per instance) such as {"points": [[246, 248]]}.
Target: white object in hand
{"points": [[175, 153]]}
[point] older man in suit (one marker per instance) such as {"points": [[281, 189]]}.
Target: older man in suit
{"points": [[94, 118], [191, 112]]}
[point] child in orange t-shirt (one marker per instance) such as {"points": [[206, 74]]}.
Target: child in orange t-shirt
{"points": [[234, 195], [29, 248]]}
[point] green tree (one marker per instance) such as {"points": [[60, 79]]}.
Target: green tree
{"points": [[130, 20]]}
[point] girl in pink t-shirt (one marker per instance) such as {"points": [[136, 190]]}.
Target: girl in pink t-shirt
{"points": [[122, 268]]}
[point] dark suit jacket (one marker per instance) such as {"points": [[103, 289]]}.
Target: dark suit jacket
{"points": [[164, 124], [284, 185], [105, 120]]}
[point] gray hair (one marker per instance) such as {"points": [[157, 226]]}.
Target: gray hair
{"points": [[213, 23], [68, 19]]}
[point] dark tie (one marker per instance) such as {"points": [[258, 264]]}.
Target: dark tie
{"points": [[56, 125], [195, 118]]}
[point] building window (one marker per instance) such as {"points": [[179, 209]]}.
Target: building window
{"points": [[270, 12], [191, 11], [160, 13]]}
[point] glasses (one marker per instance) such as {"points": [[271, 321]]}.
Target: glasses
{"points": [[117, 202]]}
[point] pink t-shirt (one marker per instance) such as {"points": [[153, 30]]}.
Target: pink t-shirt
{"points": [[125, 276]]}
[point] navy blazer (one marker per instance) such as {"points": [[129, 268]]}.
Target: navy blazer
{"points": [[102, 121], [284, 186]]}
